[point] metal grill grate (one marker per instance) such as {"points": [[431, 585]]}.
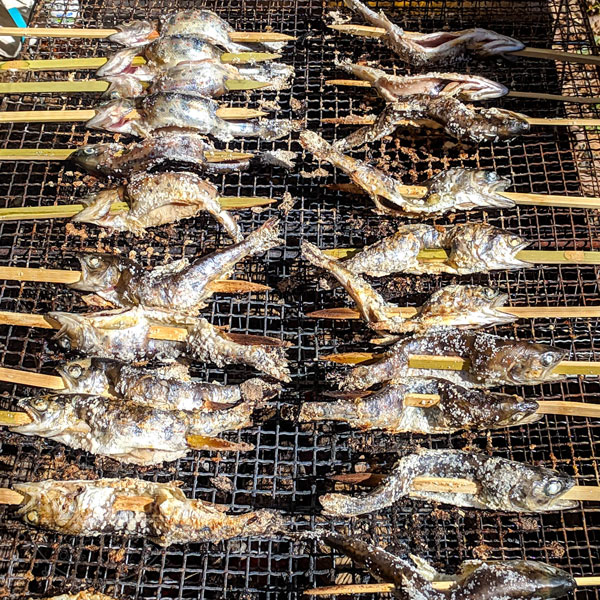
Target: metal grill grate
{"points": [[290, 465]]}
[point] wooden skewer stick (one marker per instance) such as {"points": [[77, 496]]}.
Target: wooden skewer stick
{"points": [[526, 199], [64, 116], [157, 332], [511, 93], [93, 33], [85, 64], [97, 85], [52, 382], [64, 211], [543, 53]]}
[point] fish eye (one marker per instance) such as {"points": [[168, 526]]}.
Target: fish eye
{"points": [[64, 343], [33, 517], [553, 487], [75, 371], [489, 292], [547, 359], [515, 241], [40, 404], [94, 261], [88, 150], [517, 417]]}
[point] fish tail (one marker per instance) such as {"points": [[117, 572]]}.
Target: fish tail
{"points": [[340, 410], [317, 257], [266, 236], [363, 72], [322, 149]]}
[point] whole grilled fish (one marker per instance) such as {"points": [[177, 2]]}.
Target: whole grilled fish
{"points": [[394, 87], [156, 199], [168, 147], [464, 306], [180, 286], [127, 431], [458, 408], [457, 119], [502, 484], [475, 580], [440, 48], [125, 335], [184, 111], [454, 189], [94, 508], [470, 248], [492, 361], [169, 387]]}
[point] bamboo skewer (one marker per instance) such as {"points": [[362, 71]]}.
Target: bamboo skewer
{"points": [[65, 211], [528, 52], [511, 93], [94, 33], [64, 116]]}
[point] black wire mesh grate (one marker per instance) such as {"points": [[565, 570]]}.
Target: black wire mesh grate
{"points": [[290, 467]]}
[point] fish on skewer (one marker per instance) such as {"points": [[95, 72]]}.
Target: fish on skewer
{"points": [[475, 579], [451, 190], [169, 387], [156, 199], [502, 484], [460, 121], [463, 306], [167, 147], [492, 361], [124, 335], [458, 408], [440, 48], [93, 508], [181, 111], [470, 247], [180, 286], [392, 88], [131, 432]]}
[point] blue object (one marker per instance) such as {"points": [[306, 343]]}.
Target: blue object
{"points": [[17, 18]]}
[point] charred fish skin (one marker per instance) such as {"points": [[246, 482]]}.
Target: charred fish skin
{"points": [[440, 48], [503, 485], [90, 508], [394, 87], [458, 408], [492, 361]]}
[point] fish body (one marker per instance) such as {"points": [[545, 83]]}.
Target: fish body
{"points": [[180, 286], [458, 408], [394, 87], [90, 508], [440, 48], [492, 361], [157, 199], [502, 485]]}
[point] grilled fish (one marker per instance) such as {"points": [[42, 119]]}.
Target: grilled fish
{"points": [[168, 147], [476, 579], [156, 199], [127, 431], [457, 119], [440, 48], [124, 335], [178, 286], [492, 361], [169, 387], [454, 189], [394, 87], [464, 306], [470, 248], [184, 111], [458, 408], [502, 485], [94, 508]]}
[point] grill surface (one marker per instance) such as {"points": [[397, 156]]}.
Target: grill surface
{"points": [[290, 465]]}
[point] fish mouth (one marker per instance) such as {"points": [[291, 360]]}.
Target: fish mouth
{"points": [[36, 418], [85, 282]]}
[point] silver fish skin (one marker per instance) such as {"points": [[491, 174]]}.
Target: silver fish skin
{"points": [[169, 387], [134, 34], [394, 87], [503, 485], [440, 48], [89, 508], [167, 52], [484, 580], [126, 431], [458, 408], [157, 199], [471, 248], [180, 286], [492, 361]]}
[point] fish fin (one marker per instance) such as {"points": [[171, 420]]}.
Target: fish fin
{"points": [[202, 442]]}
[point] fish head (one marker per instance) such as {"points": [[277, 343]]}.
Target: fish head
{"points": [[489, 43], [72, 330], [510, 124], [533, 579], [538, 489], [529, 363], [134, 33], [50, 415], [497, 246], [99, 272], [472, 88], [86, 376], [479, 296], [123, 85], [513, 410], [116, 115], [94, 157]]}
